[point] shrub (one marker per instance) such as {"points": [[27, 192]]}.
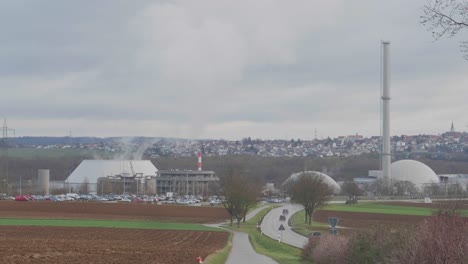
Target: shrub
{"points": [[329, 249], [439, 239], [375, 245]]}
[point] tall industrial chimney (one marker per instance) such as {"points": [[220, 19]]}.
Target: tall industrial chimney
{"points": [[386, 152], [199, 161]]}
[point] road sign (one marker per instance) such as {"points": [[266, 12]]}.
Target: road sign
{"points": [[333, 221], [281, 227]]}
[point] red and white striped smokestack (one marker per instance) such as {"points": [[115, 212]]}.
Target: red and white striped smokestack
{"points": [[199, 161]]}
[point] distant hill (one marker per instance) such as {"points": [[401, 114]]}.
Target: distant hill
{"points": [[46, 141]]}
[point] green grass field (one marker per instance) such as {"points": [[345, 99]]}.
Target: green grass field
{"points": [[384, 209], [297, 220], [104, 223]]}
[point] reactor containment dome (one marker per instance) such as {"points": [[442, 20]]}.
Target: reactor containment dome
{"points": [[413, 171], [327, 179]]}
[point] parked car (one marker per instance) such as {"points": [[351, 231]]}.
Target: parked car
{"points": [[21, 198]]}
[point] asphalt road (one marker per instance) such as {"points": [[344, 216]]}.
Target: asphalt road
{"points": [[271, 224], [242, 251]]}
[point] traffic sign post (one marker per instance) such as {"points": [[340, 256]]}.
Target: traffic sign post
{"points": [[280, 235], [333, 222]]}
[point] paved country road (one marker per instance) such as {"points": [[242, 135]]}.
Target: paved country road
{"points": [[271, 223], [242, 251]]}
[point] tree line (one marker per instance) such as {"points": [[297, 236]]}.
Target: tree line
{"points": [[265, 169]]}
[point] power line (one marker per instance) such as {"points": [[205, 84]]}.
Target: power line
{"points": [[4, 145]]}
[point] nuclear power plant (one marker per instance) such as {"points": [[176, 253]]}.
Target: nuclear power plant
{"points": [[411, 171], [139, 177]]}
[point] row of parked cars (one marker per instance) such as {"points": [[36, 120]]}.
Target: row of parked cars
{"points": [[181, 200], [84, 197], [278, 200]]}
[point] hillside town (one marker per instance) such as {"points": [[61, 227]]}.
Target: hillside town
{"points": [[436, 146], [444, 146]]}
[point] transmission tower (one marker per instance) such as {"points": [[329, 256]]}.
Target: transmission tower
{"points": [[4, 145]]}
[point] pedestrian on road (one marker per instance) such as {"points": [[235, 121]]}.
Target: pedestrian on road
{"points": [[199, 260]]}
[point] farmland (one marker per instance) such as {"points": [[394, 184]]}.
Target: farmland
{"points": [[112, 211], [87, 232], [365, 215], [26, 244]]}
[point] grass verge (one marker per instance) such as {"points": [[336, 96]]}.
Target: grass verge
{"points": [[298, 225], [105, 223]]}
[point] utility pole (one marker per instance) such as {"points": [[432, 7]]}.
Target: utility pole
{"points": [[4, 146]]}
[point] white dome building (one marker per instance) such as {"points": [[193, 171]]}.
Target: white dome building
{"points": [[327, 179], [413, 171]]}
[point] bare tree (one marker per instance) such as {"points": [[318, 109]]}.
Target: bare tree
{"points": [[310, 190], [351, 189], [240, 191], [445, 18], [381, 187], [401, 188]]}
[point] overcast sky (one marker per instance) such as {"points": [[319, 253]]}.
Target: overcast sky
{"points": [[224, 69]]}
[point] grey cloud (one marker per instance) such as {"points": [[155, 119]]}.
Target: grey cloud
{"points": [[205, 66]]}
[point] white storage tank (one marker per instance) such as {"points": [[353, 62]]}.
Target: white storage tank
{"points": [[43, 182]]}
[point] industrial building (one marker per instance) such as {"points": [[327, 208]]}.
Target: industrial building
{"points": [[138, 177], [185, 182], [132, 173]]}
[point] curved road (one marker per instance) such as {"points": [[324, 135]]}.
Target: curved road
{"points": [[271, 224]]}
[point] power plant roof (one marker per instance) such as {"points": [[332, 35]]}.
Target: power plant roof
{"points": [[413, 171], [327, 179], [90, 170]]}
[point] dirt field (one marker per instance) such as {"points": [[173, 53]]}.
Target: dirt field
{"points": [[105, 245], [112, 211], [365, 220]]}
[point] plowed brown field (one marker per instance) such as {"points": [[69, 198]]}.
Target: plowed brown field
{"points": [[365, 220], [120, 211], [23, 244], [105, 245]]}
